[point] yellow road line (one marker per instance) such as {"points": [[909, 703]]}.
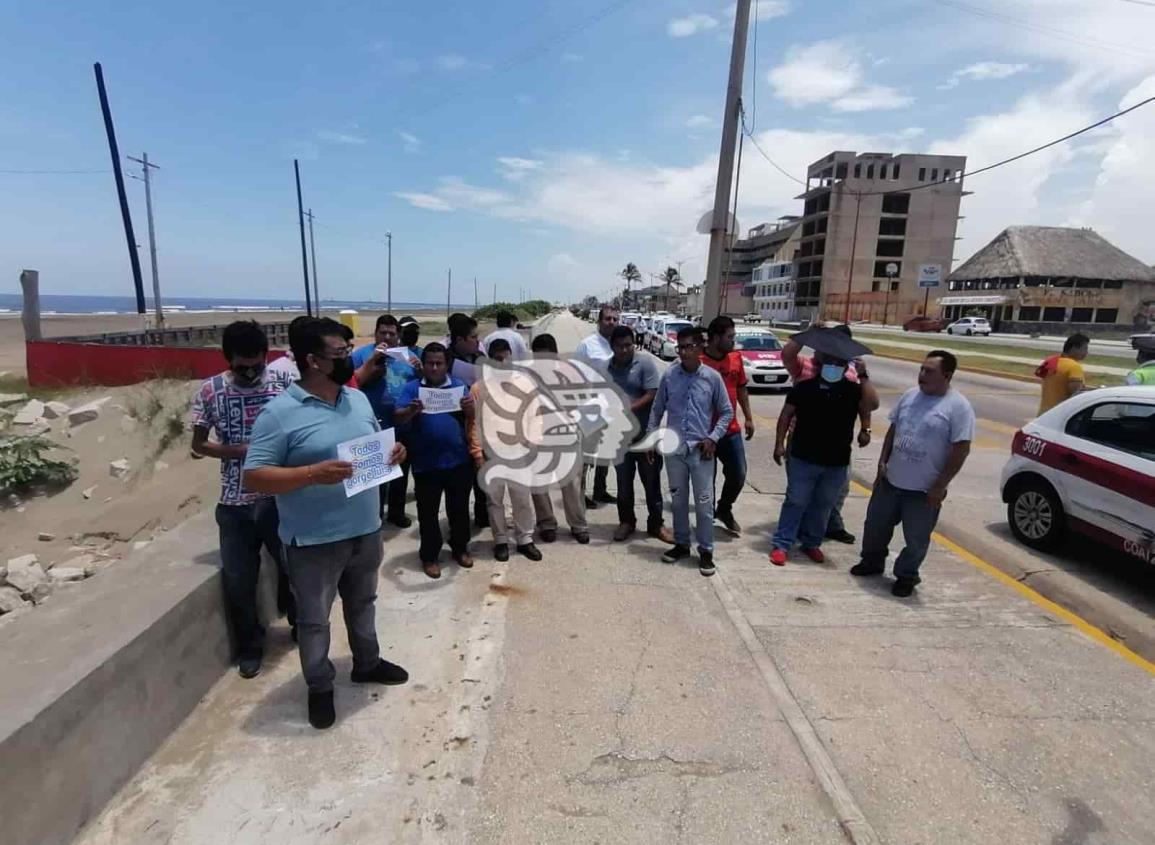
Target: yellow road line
{"points": [[1037, 598], [1002, 428]]}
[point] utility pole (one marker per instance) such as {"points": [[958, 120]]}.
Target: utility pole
{"points": [[712, 294], [389, 284], [304, 252], [125, 214], [476, 301], [145, 166], [495, 293], [448, 291], [313, 253]]}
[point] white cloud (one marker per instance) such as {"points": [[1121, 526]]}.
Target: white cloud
{"points": [[872, 98], [429, 202], [700, 121], [515, 169], [331, 137], [410, 142], [691, 25], [829, 72], [981, 71]]}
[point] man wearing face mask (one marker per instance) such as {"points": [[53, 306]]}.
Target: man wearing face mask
{"points": [[332, 541], [228, 404], [823, 411]]}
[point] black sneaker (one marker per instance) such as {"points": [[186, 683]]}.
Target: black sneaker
{"points": [[383, 673], [591, 504], [675, 554], [249, 667], [401, 521], [501, 552], [582, 537], [548, 535], [863, 568], [321, 712], [604, 497], [731, 524], [841, 536], [530, 551], [903, 587], [706, 563]]}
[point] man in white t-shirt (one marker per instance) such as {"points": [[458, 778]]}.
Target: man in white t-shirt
{"points": [[930, 435], [596, 351], [507, 331]]}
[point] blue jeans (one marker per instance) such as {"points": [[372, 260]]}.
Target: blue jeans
{"points": [[889, 506], [732, 456], [636, 463], [684, 468], [811, 491]]}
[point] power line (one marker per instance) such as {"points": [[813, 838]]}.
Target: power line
{"points": [[749, 134], [970, 173], [1062, 34]]}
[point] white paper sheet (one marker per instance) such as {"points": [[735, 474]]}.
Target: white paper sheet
{"points": [[400, 353], [370, 458], [440, 400]]}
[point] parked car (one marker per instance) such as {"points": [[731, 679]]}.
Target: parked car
{"points": [[663, 339], [1087, 465], [969, 326], [922, 323], [752, 317], [762, 358]]}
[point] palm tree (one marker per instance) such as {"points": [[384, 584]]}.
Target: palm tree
{"points": [[671, 277], [631, 274]]}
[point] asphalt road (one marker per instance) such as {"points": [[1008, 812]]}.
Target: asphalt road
{"points": [[1049, 343]]}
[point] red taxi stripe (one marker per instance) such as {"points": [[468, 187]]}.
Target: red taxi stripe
{"points": [[1128, 482]]}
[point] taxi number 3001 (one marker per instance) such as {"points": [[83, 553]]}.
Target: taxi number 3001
{"points": [[1034, 446]]}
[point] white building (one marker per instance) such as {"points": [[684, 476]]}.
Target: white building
{"points": [[774, 290]]}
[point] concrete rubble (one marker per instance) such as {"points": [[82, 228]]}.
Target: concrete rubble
{"points": [[56, 410], [46, 536], [11, 600], [119, 468], [12, 398], [30, 414], [67, 573], [87, 412], [27, 575]]}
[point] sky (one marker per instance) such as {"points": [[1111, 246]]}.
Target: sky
{"points": [[536, 145]]}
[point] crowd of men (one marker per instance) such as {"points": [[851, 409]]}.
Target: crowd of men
{"points": [[277, 428]]}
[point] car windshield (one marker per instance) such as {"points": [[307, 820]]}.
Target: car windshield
{"points": [[761, 342], [675, 326]]}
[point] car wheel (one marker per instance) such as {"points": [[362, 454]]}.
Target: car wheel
{"points": [[969, 332], [1036, 515]]}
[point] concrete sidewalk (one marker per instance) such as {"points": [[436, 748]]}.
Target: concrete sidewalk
{"points": [[601, 695]]}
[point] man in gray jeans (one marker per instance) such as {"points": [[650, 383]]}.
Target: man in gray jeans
{"points": [[332, 542]]}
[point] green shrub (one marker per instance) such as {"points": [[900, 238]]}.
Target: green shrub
{"points": [[23, 464], [530, 310]]}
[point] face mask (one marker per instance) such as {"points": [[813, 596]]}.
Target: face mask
{"points": [[248, 376], [342, 370], [833, 373]]}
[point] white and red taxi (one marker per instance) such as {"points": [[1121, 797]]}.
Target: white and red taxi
{"points": [[1087, 465], [762, 359]]}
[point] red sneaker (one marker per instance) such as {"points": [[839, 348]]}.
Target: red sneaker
{"points": [[815, 555], [778, 557]]}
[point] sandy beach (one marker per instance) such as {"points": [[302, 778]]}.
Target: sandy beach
{"points": [[66, 325]]}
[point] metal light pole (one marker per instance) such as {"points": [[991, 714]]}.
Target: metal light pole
{"points": [[891, 272], [313, 254], [146, 166], [304, 251], [389, 284]]}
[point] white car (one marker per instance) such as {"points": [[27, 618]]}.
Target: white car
{"points": [[1087, 465], [970, 326], [762, 359], [663, 338]]}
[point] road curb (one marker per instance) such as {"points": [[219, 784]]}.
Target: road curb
{"points": [[964, 369], [1077, 598]]}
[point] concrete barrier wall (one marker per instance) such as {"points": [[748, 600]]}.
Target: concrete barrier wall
{"points": [[95, 680]]}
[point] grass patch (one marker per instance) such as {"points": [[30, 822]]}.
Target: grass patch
{"points": [[18, 384], [950, 342], [991, 365]]}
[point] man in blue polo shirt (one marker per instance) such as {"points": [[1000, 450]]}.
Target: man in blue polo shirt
{"points": [[440, 460], [332, 542], [381, 377]]}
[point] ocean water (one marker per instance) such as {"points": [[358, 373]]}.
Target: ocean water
{"points": [[74, 304]]}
